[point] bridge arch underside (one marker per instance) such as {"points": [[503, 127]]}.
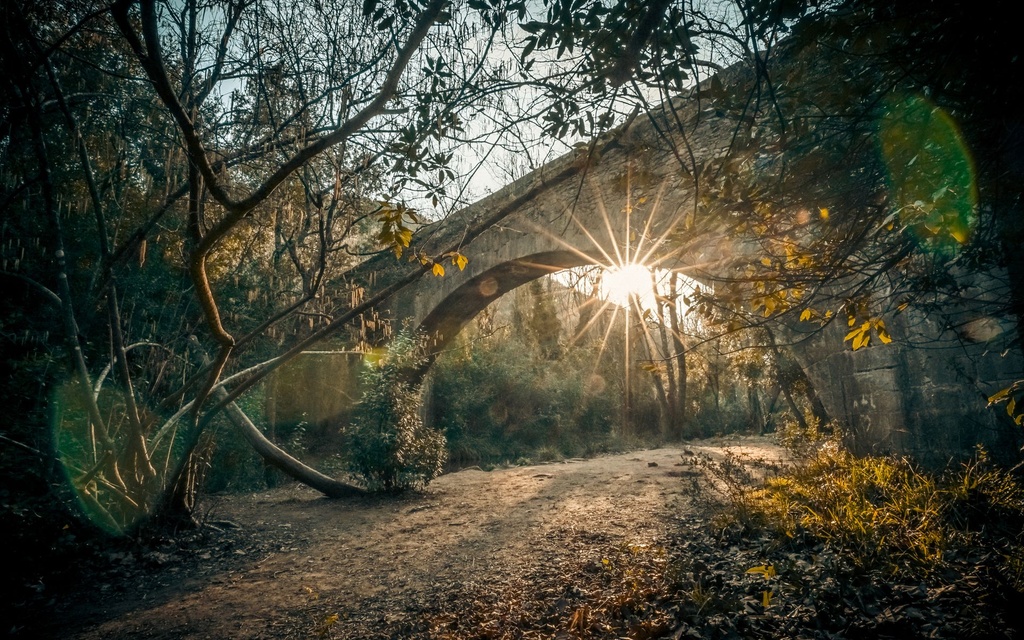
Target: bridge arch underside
{"points": [[463, 304]]}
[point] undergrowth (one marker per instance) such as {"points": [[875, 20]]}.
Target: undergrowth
{"points": [[391, 449], [883, 512]]}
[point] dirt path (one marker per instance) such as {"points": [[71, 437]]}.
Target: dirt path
{"points": [[298, 565]]}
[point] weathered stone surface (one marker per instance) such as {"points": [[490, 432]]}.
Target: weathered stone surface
{"points": [[924, 395]]}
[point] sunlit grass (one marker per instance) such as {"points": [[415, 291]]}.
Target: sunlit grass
{"points": [[882, 512]]}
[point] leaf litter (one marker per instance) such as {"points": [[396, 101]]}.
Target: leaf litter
{"points": [[580, 555]]}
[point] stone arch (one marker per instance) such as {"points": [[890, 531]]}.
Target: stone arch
{"points": [[463, 304]]}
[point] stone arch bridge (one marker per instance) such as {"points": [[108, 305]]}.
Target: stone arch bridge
{"points": [[630, 196]]}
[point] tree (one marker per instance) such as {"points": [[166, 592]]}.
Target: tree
{"points": [[392, 449], [237, 157]]}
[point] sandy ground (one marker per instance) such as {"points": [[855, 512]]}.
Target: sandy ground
{"points": [[293, 564]]}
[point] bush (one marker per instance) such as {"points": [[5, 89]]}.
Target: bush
{"points": [[391, 449], [804, 441]]}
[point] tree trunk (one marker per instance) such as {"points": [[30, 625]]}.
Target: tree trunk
{"points": [[280, 459], [680, 356], [670, 372], [756, 412], [794, 409], [790, 370], [774, 395]]}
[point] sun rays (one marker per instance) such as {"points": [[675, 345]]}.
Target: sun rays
{"points": [[633, 265]]}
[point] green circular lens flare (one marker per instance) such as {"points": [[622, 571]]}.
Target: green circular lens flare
{"points": [[98, 460], [931, 174]]}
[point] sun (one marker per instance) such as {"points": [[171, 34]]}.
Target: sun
{"points": [[621, 284]]}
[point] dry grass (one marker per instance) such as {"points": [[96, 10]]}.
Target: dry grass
{"points": [[882, 512]]}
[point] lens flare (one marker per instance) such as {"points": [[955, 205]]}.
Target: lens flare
{"points": [[931, 174], [95, 463]]}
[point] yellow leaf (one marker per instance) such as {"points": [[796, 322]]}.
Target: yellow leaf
{"points": [[805, 315], [850, 321], [766, 598], [903, 306], [766, 570], [861, 336], [460, 261], [999, 395], [824, 213], [861, 341], [884, 336], [437, 269], [324, 628], [1010, 406], [766, 262]]}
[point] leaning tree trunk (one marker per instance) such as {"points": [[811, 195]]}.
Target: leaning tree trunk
{"points": [[280, 459], [671, 393], [277, 457]]}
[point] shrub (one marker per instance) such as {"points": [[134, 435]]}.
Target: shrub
{"points": [[391, 449], [804, 441]]}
